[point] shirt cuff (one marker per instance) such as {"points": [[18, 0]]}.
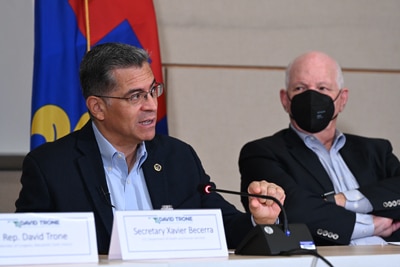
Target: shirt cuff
{"points": [[254, 222], [357, 202], [364, 226]]}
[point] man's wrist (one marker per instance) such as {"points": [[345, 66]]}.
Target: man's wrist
{"points": [[340, 199], [269, 221]]}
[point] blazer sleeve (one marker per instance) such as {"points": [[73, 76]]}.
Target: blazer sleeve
{"points": [[34, 195], [178, 184], [236, 223], [59, 177], [378, 175]]}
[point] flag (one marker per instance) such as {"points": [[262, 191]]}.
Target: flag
{"points": [[64, 31]]}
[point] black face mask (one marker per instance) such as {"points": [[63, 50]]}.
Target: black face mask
{"points": [[312, 111]]}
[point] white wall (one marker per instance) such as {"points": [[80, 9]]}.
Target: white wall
{"points": [[16, 66], [224, 62]]}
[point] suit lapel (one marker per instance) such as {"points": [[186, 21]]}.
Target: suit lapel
{"points": [[308, 160], [91, 168], [154, 173], [360, 166]]}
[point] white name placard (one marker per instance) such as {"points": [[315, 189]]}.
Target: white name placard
{"points": [[43, 238], [166, 234]]}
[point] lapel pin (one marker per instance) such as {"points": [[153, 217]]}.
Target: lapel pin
{"points": [[157, 167]]}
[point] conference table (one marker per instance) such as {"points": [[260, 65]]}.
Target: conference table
{"points": [[359, 256]]}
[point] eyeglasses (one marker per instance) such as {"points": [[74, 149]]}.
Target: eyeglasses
{"points": [[139, 96]]}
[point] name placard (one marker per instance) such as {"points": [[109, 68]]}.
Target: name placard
{"points": [[166, 234], [43, 238]]}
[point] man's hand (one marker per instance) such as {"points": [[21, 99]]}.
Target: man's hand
{"points": [[384, 227], [265, 211]]}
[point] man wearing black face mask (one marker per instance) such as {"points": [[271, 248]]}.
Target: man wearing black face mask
{"points": [[312, 111], [346, 188]]}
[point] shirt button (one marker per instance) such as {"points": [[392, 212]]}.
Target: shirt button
{"points": [[128, 181]]}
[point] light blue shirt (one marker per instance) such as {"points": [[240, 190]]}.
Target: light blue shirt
{"points": [[344, 181], [128, 190]]}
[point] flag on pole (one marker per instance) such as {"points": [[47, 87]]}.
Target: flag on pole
{"points": [[64, 31]]}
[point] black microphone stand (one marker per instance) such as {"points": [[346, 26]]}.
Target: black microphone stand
{"points": [[270, 239]]}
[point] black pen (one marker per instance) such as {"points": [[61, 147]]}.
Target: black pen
{"points": [[329, 196]]}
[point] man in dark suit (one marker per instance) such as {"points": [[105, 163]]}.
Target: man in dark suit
{"points": [[346, 188], [116, 162]]}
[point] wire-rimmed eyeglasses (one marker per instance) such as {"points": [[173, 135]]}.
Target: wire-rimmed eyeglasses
{"points": [[139, 96]]}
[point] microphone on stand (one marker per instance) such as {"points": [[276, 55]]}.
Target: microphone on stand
{"points": [[270, 239], [210, 188]]}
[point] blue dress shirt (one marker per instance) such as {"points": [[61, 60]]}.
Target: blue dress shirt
{"points": [[128, 189], [344, 181]]}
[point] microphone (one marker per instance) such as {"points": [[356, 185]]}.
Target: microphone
{"points": [[269, 239], [208, 188], [106, 195]]}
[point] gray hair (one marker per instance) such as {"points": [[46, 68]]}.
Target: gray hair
{"points": [[339, 74], [96, 68]]}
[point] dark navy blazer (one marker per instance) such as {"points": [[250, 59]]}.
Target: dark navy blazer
{"points": [[285, 160], [68, 176]]}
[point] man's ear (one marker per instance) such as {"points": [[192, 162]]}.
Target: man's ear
{"points": [[285, 100], [344, 96], [96, 106]]}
